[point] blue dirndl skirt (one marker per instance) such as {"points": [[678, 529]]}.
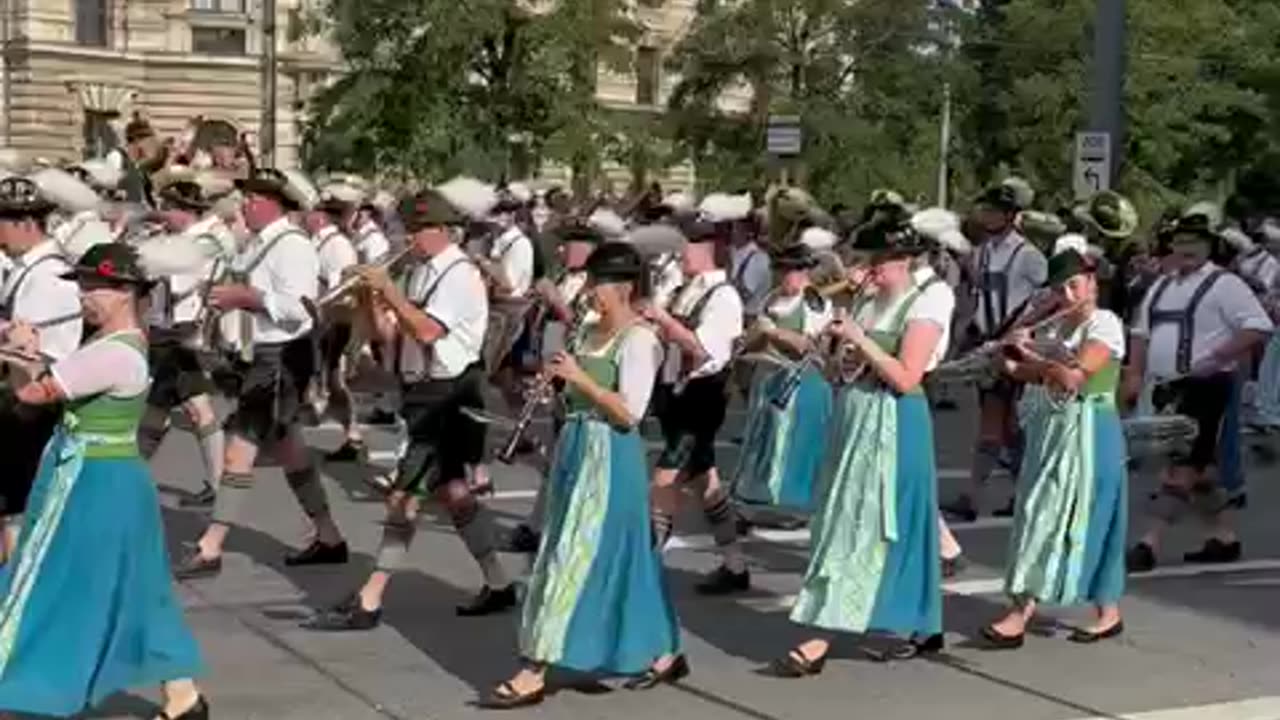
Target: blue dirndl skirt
{"points": [[783, 448], [89, 607], [597, 599]]}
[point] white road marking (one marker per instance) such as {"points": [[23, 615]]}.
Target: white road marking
{"points": [[995, 586], [1260, 708]]}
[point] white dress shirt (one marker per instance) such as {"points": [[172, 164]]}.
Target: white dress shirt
{"points": [[285, 275], [35, 293], [459, 301], [781, 306], [212, 234], [752, 275], [513, 252], [1102, 326], [1024, 274], [1260, 269], [1227, 308], [336, 255], [371, 243], [717, 327]]}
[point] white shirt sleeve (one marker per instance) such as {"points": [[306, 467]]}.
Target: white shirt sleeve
{"points": [[373, 246], [638, 360], [516, 257], [46, 298], [103, 367], [817, 321], [934, 305], [1035, 268], [1105, 327], [294, 268], [453, 299], [336, 256], [720, 326], [1240, 308]]}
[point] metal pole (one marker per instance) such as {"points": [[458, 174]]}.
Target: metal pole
{"points": [[944, 146], [1106, 97], [267, 132]]}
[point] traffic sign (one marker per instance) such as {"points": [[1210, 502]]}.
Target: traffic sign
{"points": [[783, 138], [1093, 163]]}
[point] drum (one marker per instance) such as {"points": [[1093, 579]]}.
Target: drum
{"points": [[1159, 435]]}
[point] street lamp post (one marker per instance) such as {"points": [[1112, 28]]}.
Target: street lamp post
{"points": [[1106, 96]]}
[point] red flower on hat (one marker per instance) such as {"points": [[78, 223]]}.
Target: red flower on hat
{"points": [[106, 268]]}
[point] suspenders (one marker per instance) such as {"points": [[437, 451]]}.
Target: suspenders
{"points": [[995, 286], [422, 305], [1185, 318], [6, 309]]}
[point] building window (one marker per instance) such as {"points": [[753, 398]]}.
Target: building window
{"points": [[93, 22], [218, 6], [646, 76], [218, 40], [99, 136]]}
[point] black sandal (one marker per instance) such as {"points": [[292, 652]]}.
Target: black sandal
{"points": [[1086, 637], [198, 711], [506, 697], [796, 665], [997, 640], [675, 672]]}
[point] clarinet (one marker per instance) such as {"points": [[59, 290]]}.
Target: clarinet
{"points": [[539, 394]]}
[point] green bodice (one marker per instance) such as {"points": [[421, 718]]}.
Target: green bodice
{"points": [[109, 425], [1104, 382], [890, 338], [601, 367]]}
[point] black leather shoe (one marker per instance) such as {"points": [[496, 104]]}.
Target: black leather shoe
{"points": [[723, 581], [317, 553], [196, 566], [199, 711], [489, 601], [675, 672], [351, 451], [962, 509], [202, 499], [1084, 637], [1007, 510], [522, 540], [998, 641], [347, 615], [1215, 552], [1140, 558]]}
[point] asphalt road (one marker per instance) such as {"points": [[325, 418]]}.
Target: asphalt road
{"points": [[1202, 643]]}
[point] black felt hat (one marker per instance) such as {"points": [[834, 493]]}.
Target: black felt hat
{"points": [[22, 198], [616, 262], [1066, 265], [890, 237], [999, 197], [794, 257], [112, 264], [274, 183], [578, 231], [428, 208]]}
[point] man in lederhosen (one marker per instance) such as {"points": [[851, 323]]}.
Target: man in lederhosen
{"points": [[438, 324], [177, 311], [336, 255], [39, 312], [704, 322], [1194, 327], [278, 274], [1007, 270]]}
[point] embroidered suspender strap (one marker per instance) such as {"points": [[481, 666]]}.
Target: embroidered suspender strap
{"points": [[1185, 318]]}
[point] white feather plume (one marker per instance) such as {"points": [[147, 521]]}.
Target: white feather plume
{"points": [[469, 196], [80, 232], [344, 192], [943, 227], [1236, 238], [173, 255], [66, 190], [301, 188], [384, 200], [1270, 231], [1071, 241], [103, 174], [818, 238], [679, 202], [1210, 210], [722, 207], [520, 191], [608, 222]]}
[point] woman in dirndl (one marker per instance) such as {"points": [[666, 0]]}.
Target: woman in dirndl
{"points": [[88, 606], [1067, 546], [789, 407], [873, 562], [597, 600]]}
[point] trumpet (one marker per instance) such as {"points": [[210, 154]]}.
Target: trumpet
{"points": [[351, 282]]}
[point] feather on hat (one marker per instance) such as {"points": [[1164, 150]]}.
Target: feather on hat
{"points": [[608, 223], [818, 238], [469, 196], [81, 232], [722, 207], [304, 191], [943, 227], [102, 173], [63, 188]]}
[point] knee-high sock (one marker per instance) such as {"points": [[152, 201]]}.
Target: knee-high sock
{"points": [[662, 523], [307, 488], [538, 515], [213, 445], [985, 460], [1169, 504], [397, 536], [233, 494], [719, 513], [475, 527]]}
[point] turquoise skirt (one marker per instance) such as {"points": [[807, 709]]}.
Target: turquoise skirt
{"points": [[89, 607], [597, 600], [857, 581], [783, 448], [1069, 557]]}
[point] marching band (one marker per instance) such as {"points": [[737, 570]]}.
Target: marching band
{"points": [[128, 291]]}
